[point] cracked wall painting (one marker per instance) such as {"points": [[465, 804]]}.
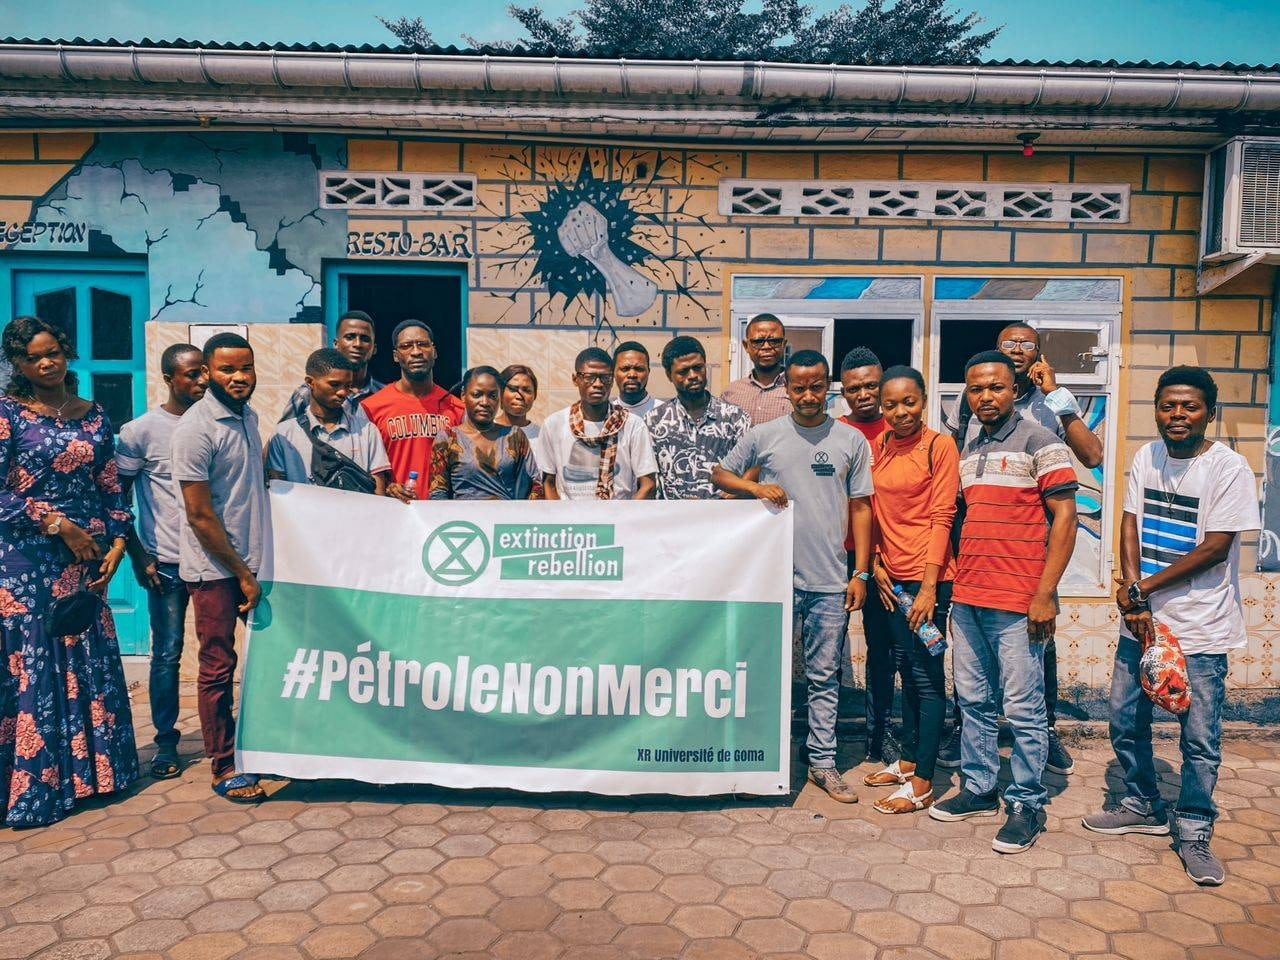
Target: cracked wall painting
{"points": [[229, 223], [597, 234]]}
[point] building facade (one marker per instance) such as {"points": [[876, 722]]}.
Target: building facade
{"points": [[528, 236]]}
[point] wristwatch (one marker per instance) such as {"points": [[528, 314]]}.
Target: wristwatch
{"points": [[54, 528], [1135, 593], [861, 575]]}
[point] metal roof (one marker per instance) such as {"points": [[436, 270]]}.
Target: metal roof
{"points": [[519, 51]]}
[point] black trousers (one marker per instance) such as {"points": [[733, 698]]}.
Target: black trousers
{"points": [[924, 685]]}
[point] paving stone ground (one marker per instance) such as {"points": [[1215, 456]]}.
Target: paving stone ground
{"points": [[344, 870]]}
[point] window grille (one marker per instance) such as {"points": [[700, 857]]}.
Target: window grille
{"points": [[349, 189]]}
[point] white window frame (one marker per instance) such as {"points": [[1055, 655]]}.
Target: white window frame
{"points": [[1105, 317]]}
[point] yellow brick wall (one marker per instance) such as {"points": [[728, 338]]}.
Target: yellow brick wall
{"points": [[31, 164]]}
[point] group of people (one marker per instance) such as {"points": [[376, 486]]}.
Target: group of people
{"points": [[965, 532]]}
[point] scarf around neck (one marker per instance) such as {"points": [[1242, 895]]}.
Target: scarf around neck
{"points": [[606, 440]]}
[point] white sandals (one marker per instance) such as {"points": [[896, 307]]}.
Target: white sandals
{"points": [[881, 777], [905, 792]]}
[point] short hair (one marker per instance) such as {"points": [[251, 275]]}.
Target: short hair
{"points": [[990, 356], [404, 325], [515, 370], [326, 359], [224, 341], [859, 357], [169, 359], [763, 318], [808, 358], [681, 346], [629, 346], [355, 315], [1185, 376], [903, 372], [591, 355], [481, 371]]}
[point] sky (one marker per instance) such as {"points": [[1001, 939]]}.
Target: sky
{"points": [[1206, 31]]}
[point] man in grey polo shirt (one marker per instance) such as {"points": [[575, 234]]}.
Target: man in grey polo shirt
{"points": [[330, 419], [217, 461]]}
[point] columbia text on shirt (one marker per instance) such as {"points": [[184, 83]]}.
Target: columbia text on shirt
{"points": [[1006, 477], [821, 468], [409, 426], [1176, 502], [215, 445]]}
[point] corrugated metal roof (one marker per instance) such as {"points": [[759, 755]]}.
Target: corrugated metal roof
{"points": [[518, 51]]}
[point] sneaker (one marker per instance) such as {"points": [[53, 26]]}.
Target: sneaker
{"points": [[1020, 831], [1202, 866], [949, 752], [1059, 760], [965, 805], [1120, 819], [829, 779]]}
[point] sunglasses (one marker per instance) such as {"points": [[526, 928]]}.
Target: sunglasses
{"points": [[1019, 345], [767, 341]]}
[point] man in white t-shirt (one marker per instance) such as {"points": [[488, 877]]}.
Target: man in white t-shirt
{"points": [[595, 450], [1188, 501]]}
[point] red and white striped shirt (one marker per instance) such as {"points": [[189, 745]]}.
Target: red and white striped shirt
{"points": [[1006, 476]]}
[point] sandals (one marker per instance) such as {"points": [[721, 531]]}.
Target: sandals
{"points": [[890, 775], [165, 767], [905, 792], [239, 787]]}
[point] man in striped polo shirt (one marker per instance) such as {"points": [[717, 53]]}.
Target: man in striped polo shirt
{"points": [[1019, 531]]}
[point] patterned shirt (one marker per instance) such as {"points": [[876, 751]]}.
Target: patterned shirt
{"points": [[762, 404], [1006, 477], [688, 450]]}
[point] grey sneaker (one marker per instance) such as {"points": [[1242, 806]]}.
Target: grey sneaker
{"points": [[1120, 819], [1202, 866], [1059, 760], [1020, 830], [829, 779], [949, 752]]}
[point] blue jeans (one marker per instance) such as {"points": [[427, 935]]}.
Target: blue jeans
{"points": [[996, 665], [822, 622], [168, 607], [1201, 739]]}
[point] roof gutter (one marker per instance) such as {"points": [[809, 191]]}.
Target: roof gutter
{"points": [[995, 88]]}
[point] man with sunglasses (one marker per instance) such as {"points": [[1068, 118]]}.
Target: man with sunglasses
{"points": [[1040, 399], [763, 392]]}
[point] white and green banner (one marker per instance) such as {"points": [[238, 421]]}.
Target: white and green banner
{"points": [[616, 648]]}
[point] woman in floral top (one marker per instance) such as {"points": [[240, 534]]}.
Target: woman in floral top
{"points": [[66, 730], [481, 459]]}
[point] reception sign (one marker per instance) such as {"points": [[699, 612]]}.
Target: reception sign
{"points": [[615, 648]]}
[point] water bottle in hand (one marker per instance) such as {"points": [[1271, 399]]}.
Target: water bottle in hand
{"points": [[929, 634], [411, 488]]}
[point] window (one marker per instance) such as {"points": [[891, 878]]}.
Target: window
{"points": [[1076, 319]]}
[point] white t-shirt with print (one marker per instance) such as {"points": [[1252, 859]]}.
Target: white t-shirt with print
{"points": [[576, 466], [1176, 503]]}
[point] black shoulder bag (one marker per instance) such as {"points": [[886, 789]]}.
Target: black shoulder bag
{"points": [[332, 468]]}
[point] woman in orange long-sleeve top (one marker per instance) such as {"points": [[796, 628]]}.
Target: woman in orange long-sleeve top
{"points": [[917, 478]]}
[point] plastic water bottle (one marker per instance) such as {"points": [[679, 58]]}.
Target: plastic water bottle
{"points": [[411, 488], [929, 634]]}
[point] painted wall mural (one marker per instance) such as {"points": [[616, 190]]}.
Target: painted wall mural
{"points": [[230, 223], [1269, 541]]}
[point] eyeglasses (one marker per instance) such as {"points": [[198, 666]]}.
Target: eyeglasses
{"points": [[1019, 345], [423, 345], [605, 378], [767, 341]]}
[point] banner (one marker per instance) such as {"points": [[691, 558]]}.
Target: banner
{"points": [[610, 647]]}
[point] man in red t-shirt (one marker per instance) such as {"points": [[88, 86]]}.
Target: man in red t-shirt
{"points": [[860, 374], [412, 411]]}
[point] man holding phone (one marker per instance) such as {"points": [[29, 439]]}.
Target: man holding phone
{"points": [[1040, 399]]}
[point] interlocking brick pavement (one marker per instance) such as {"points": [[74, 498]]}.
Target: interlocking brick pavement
{"points": [[343, 870]]}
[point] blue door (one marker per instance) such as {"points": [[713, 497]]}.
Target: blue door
{"points": [[103, 307]]}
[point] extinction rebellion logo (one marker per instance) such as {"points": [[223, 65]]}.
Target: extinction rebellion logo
{"points": [[457, 553]]}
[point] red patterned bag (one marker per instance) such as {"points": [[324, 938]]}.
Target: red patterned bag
{"points": [[1164, 671]]}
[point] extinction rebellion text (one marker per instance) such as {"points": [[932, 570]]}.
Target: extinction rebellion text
{"points": [[514, 688]]}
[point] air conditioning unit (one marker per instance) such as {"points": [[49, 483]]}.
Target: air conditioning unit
{"points": [[1242, 201]]}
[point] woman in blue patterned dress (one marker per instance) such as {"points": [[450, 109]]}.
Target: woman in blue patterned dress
{"points": [[66, 730]]}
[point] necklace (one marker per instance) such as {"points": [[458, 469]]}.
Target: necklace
{"points": [[1170, 497], [57, 410]]}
